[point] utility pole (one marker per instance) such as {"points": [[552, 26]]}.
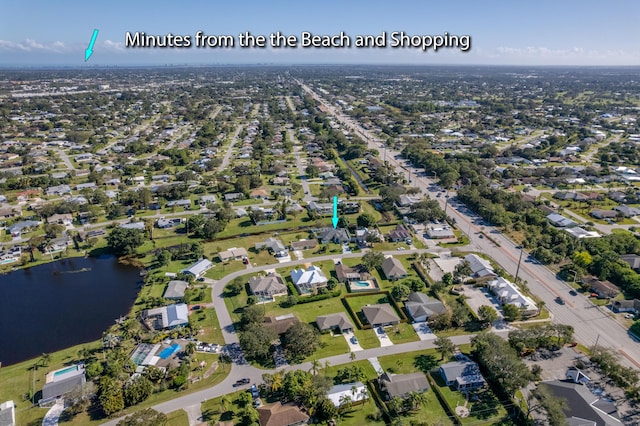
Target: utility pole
{"points": [[518, 268]]}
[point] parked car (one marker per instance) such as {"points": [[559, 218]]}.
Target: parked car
{"points": [[354, 340]]}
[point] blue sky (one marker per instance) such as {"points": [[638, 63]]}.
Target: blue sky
{"points": [[560, 32]]}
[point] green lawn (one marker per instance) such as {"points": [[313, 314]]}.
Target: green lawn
{"points": [[210, 328], [177, 418], [402, 333], [367, 339]]}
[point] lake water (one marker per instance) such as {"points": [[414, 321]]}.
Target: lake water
{"points": [[50, 307]]}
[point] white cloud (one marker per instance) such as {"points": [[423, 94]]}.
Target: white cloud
{"points": [[30, 45]]}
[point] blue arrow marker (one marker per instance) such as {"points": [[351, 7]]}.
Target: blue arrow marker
{"points": [[334, 219], [89, 51]]}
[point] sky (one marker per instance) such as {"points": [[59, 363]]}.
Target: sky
{"points": [[542, 32]]}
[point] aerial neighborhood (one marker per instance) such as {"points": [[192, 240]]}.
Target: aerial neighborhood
{"points": [[337, 245]]}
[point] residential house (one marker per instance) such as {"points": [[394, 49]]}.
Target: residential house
{"points": [[338, 322], [175, 290], [234, 253], [322, 209], [437, 232], [268, 287], [381, 315], [7, 414], [206, 200], [88, 185], [333, 235], [604, 214], [349, 207], [233, 196], [60, 382], [509, 293], [580, 233], [420, 307], [620, 306], [560, 221], [179, 203], [278, 414], [347, 274], [17, 229], [355, 392], [462, 375], [199, 268], [168, 223], [65, 219], [281, 323], [407, 200], [627, 211], [140, 226], [604, 289], [480, 268], [274, 246], [8, 212], [308, 280], [166, 317], [632, 259], [304, 244], [401, 385], [400, 234], [259, 193], [582, 406], [393, 269], [58, 190]]}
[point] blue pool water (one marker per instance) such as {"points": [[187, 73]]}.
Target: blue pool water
{"points": [[167, 352], [362, 284], [66, 370]]}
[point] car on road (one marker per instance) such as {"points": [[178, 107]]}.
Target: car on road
{"points": [[240, 382], [573, 292], [560, 300]]}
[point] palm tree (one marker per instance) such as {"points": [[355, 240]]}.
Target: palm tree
{"points": [[276, 382], [417, 399], [395, 404], [364, 395], [352, 356], [327, 364], [444, 346], [315, 365], [83, 354], [190, 349], [110, 340], [45, 358], [224, 403]]}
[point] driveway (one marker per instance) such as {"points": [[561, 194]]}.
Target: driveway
{"points": [[353, 347], [382, 336], [423, 331]]}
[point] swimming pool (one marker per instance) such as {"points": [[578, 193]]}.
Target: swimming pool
{"points": [[167, 352], [362, 284], [65, 370]]}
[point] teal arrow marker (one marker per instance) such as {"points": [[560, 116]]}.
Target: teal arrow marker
{"points": [[89, 51], [334, 219]]}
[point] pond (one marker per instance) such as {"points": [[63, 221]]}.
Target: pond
{"points": [[61, 304]]}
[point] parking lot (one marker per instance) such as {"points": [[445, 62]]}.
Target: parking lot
{"points": [[478, 296]]}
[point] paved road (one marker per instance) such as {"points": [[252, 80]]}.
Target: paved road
{"points": [[301, 167], [254, 374], [591, 324], [65, 159], [224, 318]]}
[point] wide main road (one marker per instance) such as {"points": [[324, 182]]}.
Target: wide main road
{"points": [[591, 324]]}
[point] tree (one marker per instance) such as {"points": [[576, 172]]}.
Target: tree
{"points": [[235, 287], [256, 341], [110, 396], [400, 292], [147, 417], [300, 341], [372, 260], [501, 362], [163, 258], [124, 241], [447, 279], [511, 312], [459, 314], [366, 220], [462, 270], [416, 400], [553, 405], [445, 347], [312, 171], [487, 314], [137, 390], [251, 315], [315, 366], [324, 409], [45, 358]]}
